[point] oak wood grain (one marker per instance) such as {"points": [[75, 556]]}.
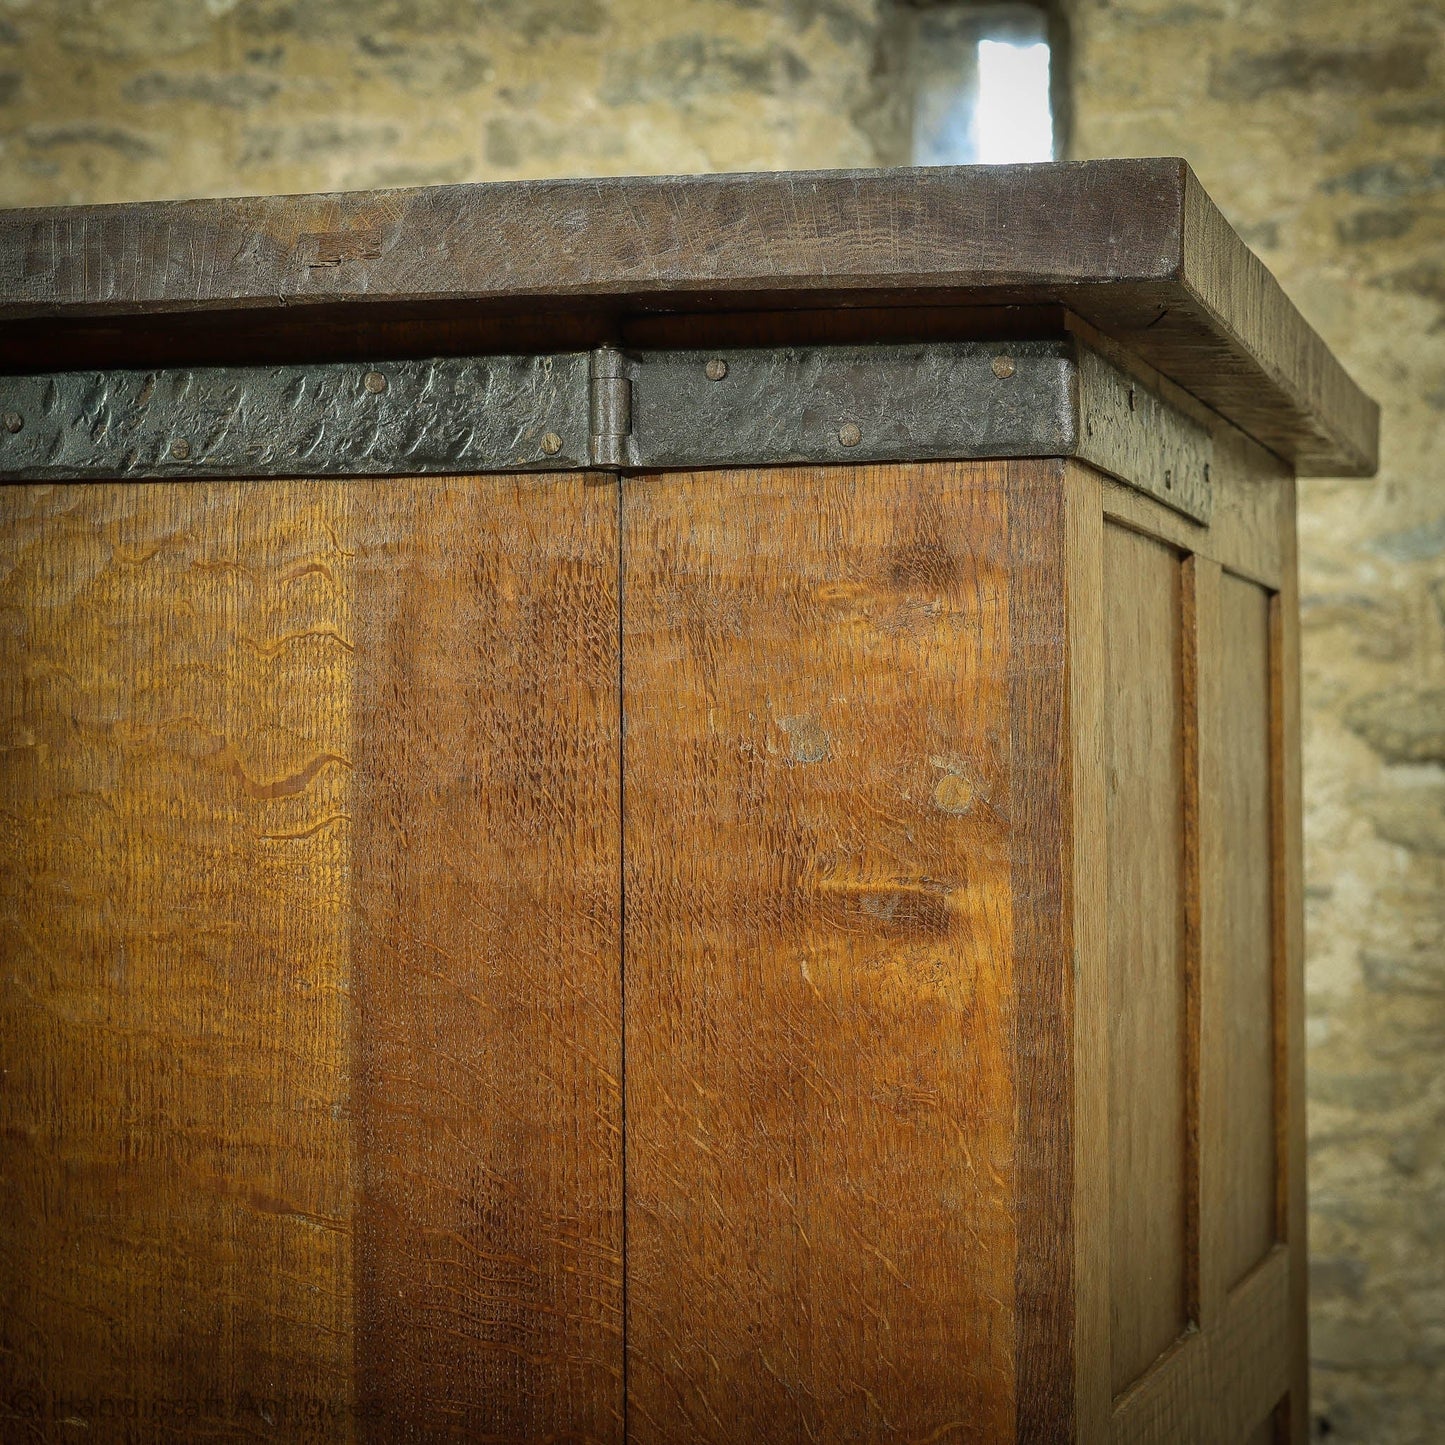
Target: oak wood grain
{"points": [[1147, 989], [820, 955], [488, 967], [1134, 247], [1044, 835], [1287, 856], [177, 1196], [1214, 1159], [1089, 887], [310, 1013], [1216, 1388], [1247, 1050]]}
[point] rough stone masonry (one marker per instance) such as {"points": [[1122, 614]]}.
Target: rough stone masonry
{"points": [[1321, 131]]}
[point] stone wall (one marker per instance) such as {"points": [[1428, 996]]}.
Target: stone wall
{"points": [[105, 100], [1319, 128]]}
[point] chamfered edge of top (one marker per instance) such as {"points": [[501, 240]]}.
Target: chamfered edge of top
{"points": [[1135, 247]]}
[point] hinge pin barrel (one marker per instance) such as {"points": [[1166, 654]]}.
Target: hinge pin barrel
{"points": [[610, 408]]}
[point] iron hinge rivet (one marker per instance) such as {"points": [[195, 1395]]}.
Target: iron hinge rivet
{"points": [[1003, 367], [716, 369], [849, 434], [180, 449], [551, 444], [13, 421], [374, 382]]}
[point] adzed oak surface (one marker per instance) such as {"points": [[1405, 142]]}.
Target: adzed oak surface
{"points": [[821, 1170], [310, 1006]]}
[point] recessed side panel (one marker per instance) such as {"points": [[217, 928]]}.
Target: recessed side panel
{"points": [[1144, 763], [819, 940], [1198, 1052], [1267, 1431], [1246, 932], [486, 958]]}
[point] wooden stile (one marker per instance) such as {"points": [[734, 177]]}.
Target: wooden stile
{"points": [[800, 946]]}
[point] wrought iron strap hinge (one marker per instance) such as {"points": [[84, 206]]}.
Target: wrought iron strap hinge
{"points": [[607, 409]]}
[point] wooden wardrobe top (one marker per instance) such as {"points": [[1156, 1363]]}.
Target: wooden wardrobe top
{"points": [[1134, 247]]}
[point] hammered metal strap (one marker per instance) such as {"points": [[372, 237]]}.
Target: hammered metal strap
{"points": [[608, 409]]}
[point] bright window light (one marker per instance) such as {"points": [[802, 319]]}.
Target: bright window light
{"points": [[980, 80], [1014, 122]]}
